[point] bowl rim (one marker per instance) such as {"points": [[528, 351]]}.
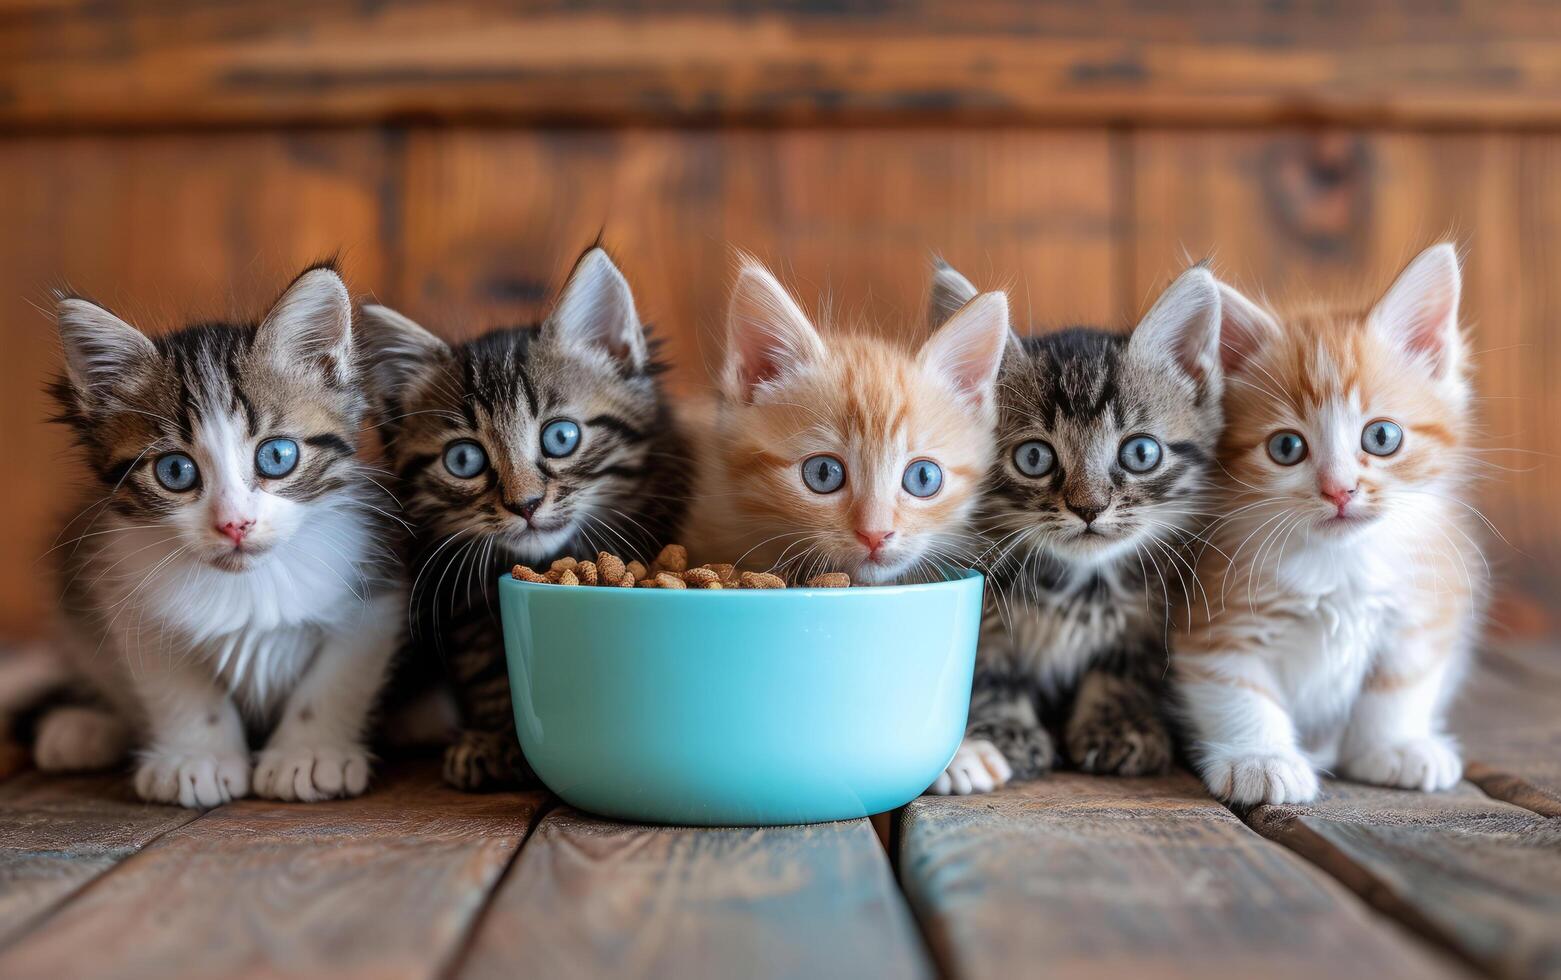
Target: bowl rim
{"points": [[962, 580]]}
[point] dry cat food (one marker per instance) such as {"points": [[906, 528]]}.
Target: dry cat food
{"points": [[670, 570]]}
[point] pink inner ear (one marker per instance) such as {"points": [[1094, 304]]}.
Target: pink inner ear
{"points": [[758, 360], [1239, 342], [1420, 311], [1244, 329], [1427, 324]]}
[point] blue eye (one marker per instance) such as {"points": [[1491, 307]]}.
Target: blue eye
{"points": [[276, 458], [560, 437], [1382, 438], [176, 472], [1286, 448], [1035, 458], [823, 474], [922, 478], [1140, 454], [465, 459]]}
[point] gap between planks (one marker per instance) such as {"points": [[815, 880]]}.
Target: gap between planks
{"points": [[456, 962], [388, 884]]}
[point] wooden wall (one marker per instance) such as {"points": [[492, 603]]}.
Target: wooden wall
{"points": [[184, 159]]}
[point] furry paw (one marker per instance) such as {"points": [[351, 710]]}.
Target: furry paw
{"points": [[481, 761], [311, 773], [193, 779], [79, 739], [976, 768], [1260, 777], [1427, 764], [1028, 750], [1120, 748]]}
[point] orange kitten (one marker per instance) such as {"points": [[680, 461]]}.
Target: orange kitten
{"points": [[1344, 576], [843, 451]]}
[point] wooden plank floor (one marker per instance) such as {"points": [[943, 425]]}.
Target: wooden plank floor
{"points": [[1118, 877], [1068, 876], [592, 897]]}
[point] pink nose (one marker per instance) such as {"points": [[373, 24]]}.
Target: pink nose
{"points": [[874, 539], [1337, 495], [235, 530]]}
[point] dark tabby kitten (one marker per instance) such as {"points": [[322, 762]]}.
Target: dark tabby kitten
{"points": [[232, 577], [521, 445], [1105, 442]]}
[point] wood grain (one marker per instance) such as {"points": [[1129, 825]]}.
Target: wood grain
{"points": [[57, 834], [382, 886], [1083, 876], [116, 62], [1507, 718], [1301, 214], [493, 220], [1478, 875], [165, 230], [594, 898]]}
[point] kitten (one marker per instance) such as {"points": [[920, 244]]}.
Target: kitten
{"points": [[232, 575], [1105, 442], [840, 451], [1346, 561], [522, 445]]}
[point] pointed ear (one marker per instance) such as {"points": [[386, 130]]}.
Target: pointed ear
{"points": [[398, 352], [596, 312], [767, 334], [1183, 327], [950, 291], [1245, 328], [310, 326], [968, 350], [1419, 314], [101, 350]]}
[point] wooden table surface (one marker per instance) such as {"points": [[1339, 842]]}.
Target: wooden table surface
{"points": [[1068, 876]]}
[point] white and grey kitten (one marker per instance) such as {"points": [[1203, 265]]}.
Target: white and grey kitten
{"points": [[1105, 441], [231, 577]]}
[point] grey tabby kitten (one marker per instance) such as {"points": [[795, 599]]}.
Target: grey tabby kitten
{"points": [[231, 578], [522, 445], [1105, 445]]}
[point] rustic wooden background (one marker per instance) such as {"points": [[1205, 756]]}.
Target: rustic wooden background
{"points": [[181, 159]]}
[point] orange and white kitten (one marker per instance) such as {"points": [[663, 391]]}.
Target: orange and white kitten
{"points": [[841, 451], [1343, 576]]}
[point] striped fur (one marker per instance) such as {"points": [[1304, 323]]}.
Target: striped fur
{"points": [[193, 639], [621, 490], [1073, 642], [791, 393], [1346, 587]]}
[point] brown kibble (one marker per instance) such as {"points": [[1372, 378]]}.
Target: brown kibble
{"points": [[830, 580], [700, 576], [609, 567], [669, 570], [760, 580], [673, 558]]}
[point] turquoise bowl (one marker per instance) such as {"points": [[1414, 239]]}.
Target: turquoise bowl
{"points": [[740, 707]]}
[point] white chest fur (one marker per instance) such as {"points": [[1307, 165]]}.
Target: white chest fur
{"points": [[1342, 602], [257, 628]]}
